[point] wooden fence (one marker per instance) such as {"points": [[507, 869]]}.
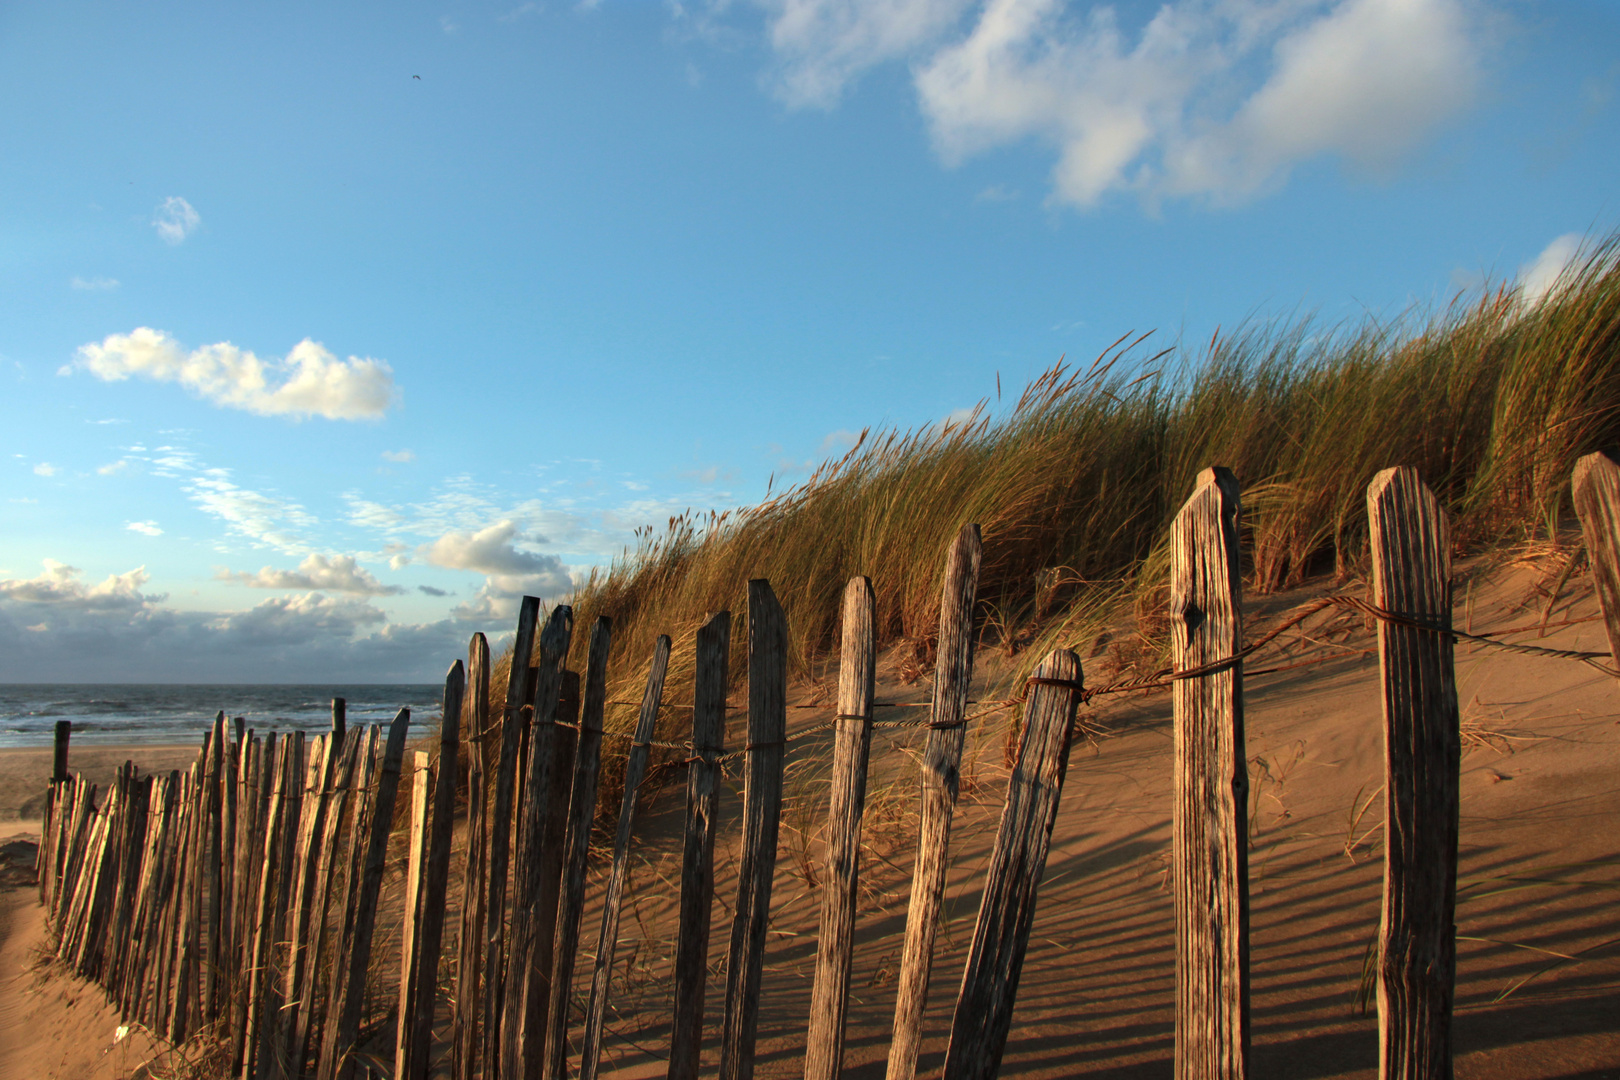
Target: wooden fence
{"points": [[238, 901]]}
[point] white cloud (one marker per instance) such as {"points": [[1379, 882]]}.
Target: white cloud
{"points": [[145, 528], [264, 519], [1539, 277], [60, 587], [825, 44], [175, 220], [529, 8], [312, 382], [112, 468], [45, 468], [1215, 99], [492, 551], [399, 457], [334, 573], [96, 284]]}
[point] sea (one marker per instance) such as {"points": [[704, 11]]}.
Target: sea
{"points": [[157, 713]]}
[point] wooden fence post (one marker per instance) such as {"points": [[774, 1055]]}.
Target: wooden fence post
{"points": [[500, 836], [412, 913], [852, 743], [534, 888], [942, 758], [762, 815], [59, 760], [581, 812], [1411, 577], [697, 862], [984, 1009], [1210, 839], [343, 1023], [607, 940], [339, 786], [338, 974], [263, 932], [1596, 484], [430, 935], [469, 963]]}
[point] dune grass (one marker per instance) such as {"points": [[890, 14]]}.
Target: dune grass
{"points": [[1075, 484]]}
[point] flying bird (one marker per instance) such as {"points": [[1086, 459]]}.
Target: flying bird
{"points": [[416, 76]]}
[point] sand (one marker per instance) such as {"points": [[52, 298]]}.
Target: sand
{"points": [[1538, 985]]}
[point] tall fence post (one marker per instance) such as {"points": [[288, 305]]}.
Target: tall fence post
{"points": [[499, 853], [411, 912], [852, 743], [608, 939], [1596, 485], [436, 876], [1210, 841], [581, 812], [469, 966], [59, 760], [1417, 959], [710, 682], [762, 816], [942, 760], [984, 1008]]}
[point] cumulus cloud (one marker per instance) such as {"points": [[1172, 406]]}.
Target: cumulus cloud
{"points": [[429, 590], [96, 284], [175, 220], [45, 468], [334, 573], [145, 528], [492, 551], [61, 587], [1539, 277], [1215, 99], [309, 381]]}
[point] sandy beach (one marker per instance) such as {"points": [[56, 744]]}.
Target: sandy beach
{"points": [[1538, 986]]}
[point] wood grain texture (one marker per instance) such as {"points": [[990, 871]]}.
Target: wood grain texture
{"points": [[304, 876], [1209, 831], [411, 911], [581, 811], [852, 744], [1411, 576], [711, 680], [499, 853], [984, 1008], [942, 760], [608, 938], [534, 890], [263, 934], [436, 875], [359, 832], [338, 799], [1596, 487], [762, 815], [469, 961], [343, 1023]]}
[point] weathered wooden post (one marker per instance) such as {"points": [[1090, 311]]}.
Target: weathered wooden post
{"points": [[1210, 840], [411, 911], [470, 955], [835, 945], [436, 877], [1596, 484], [343, 1022], [607, 939], [942, 758], [984, 1008], [522, 1029], [59, 761], [500, 836], [762, 815], [713, 651], [581, 811], [1411, 578]]}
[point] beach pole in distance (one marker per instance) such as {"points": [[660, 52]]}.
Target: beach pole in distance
{"points": [[59, 769], [340, 722]]}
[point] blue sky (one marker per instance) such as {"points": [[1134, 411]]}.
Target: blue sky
{"points": [[328, 331]]}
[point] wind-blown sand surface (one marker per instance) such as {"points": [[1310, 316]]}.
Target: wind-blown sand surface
{"points": [[1538, 917]]}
